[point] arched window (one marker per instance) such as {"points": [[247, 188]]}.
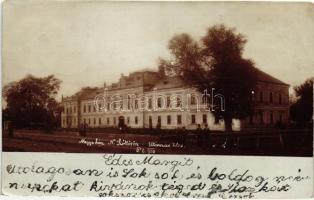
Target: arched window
{"points": [[193, 99]]}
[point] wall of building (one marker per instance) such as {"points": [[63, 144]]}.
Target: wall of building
{"points": [[271, 106], [191, 114], [69, 116]]}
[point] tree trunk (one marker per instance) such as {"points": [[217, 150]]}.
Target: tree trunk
{"points": [[228, 124]]}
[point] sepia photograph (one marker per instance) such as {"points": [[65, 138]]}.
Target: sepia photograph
{"points": [[158, 78], [157, 99]]}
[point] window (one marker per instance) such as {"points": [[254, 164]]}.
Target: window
{"points": [[84, 121], [150, 103], [261, 96], [88, 120], [94, 108], [159, 119], [99, 107], [193, 99], [136, 120], [168, 101], [193, 119], [108, 106], [280, 100], [178, 101], [179, 119], [150, 121], [136, 103], [89, 108], [128, 120], [108, 120], [261, 117], [99, 121], [204, 119], [114, 120], [129, 102], [168, 119], [121, 104], [159, 102], [270, 97], [204, 99]]}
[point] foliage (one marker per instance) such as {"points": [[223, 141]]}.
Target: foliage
{"points": [[215, 61], [31, 101], [301, 111]]}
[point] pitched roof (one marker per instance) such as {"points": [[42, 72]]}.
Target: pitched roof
{"points": [[169, 82], [264, 77], [89, 93], [173, 82]]}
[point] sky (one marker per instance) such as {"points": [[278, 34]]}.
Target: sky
{"points": [[87, 43]]}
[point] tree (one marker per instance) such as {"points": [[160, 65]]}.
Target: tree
{"points": [[31, 101], [215, 62], [301, 110], [161, 68]]}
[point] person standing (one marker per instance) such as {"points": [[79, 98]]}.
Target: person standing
{"points": [[206, 135], [84, 129], [80, 130], [199, 134]]}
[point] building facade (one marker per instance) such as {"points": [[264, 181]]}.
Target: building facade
{"points": [[144, 100]]}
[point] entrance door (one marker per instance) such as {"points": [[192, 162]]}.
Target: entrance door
{"points": [[150, 121], [121, 123]]}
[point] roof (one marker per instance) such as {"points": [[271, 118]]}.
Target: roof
{"points": [[90, 93], [173, 82], [264, 77], [169, 82], [145, 70]]}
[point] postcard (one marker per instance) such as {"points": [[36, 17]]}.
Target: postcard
{"points": [[157, 99]]}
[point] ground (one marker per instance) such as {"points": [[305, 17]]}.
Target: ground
{"points": [[277, 143]]}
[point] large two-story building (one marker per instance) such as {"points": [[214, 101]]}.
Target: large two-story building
{"points": [[143, 99]]}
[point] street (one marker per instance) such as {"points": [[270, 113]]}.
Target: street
{"points": [[269, 144]]}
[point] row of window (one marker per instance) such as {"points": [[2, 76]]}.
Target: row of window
{"points": [[179, 119], [70, 109], [114, 120], [169, 101], [94, 121], [262, 97], [261, 119]]}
